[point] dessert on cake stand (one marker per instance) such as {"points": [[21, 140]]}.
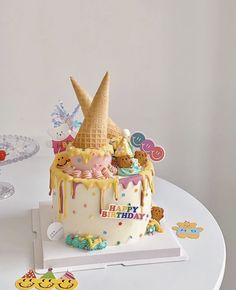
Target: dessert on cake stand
{"points": [[14, 148]]}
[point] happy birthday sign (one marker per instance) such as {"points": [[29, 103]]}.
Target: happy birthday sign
{"points": [[122, 212]]}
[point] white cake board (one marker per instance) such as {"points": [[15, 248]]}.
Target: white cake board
{"points": [[156, 248]]}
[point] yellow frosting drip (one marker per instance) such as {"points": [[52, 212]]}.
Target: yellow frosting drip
{"points": [[88, 153], [65, 203], [115, 188], [58, 176], [148, 173]]}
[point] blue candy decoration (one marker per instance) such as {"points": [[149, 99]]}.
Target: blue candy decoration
{"points": [[136, 139], [61, 116]]}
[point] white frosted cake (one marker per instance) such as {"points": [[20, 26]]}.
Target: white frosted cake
{"points": [[101, 187]]}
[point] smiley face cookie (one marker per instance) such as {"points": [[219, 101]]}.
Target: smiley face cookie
{"points": [[124, 161], [67, 281], [47, 281], [157, 213], [141, 156], [27, 281], [62, 160]]}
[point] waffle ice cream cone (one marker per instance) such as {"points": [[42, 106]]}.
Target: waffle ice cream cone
{"points": [[113, 130], [83, 97], [93, 131], [85, 101]]}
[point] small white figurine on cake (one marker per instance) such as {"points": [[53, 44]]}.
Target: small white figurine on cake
{"points": [[64, 127]]}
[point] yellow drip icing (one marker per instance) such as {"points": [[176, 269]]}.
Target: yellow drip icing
{"points": [[71, 189], [143, 190], [59, 199], [148, 173], [115, 188], [58, 176], [65, 199], [150, 182], [101, 198]]}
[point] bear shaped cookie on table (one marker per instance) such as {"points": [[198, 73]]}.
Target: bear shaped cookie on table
{"points": [[187, 230]]}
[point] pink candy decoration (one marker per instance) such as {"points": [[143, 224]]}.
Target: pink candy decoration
{"points": [[105, 172], [97, 174], [68, 169], [112, 168], [87, 174], [147, 145], [157, 153], [77, 173]]}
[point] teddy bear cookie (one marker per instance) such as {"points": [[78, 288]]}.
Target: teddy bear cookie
{"points": [[124, 161], [187, 230], [141, 156], [157, 213]]}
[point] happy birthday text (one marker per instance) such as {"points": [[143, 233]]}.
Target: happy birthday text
{"points": [[122, 212]]}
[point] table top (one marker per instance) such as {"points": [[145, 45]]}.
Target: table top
{"points": [[204, 270]]}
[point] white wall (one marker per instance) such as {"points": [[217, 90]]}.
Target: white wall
{"points": [[173, 67]]}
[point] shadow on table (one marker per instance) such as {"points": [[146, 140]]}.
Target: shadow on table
{"points": [[17, 238]]}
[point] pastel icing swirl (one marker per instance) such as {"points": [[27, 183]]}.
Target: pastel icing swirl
{"points": [[87, 242]]}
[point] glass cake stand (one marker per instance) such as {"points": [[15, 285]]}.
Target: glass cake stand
{"points": [[16, 148]]}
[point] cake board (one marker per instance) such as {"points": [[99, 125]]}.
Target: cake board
{"points": [[157, 248]]}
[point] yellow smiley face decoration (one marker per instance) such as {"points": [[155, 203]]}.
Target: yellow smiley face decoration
{"points": [[27, 281], [47, 281], [67, 281], [62, 159]]}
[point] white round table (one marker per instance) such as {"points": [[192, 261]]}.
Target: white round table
{"points": [[203, 271]]}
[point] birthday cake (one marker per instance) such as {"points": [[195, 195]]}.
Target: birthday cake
{"points": [[101, 186]]}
